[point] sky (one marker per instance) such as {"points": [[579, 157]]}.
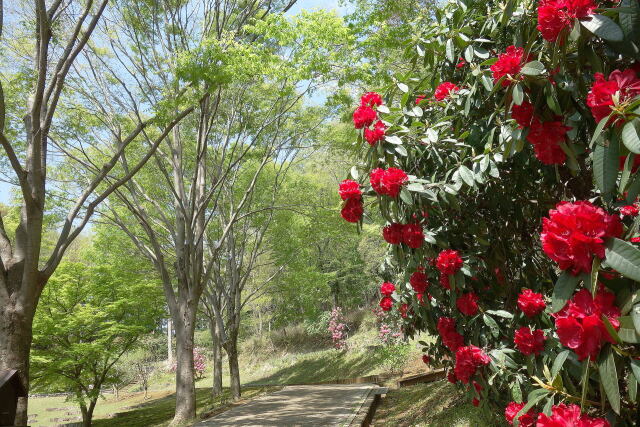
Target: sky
{"points": [[6, 189]]}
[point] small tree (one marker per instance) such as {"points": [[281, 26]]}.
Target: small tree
{"points": [[87, 320]]}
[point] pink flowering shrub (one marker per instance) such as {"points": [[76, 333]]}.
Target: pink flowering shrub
{"points": [[199, 363], [338, 329]]}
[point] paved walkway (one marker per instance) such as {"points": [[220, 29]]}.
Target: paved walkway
{"points": [[304, 405]]}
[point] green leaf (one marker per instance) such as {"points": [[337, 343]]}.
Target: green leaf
{"points": [[563, 290], [635, 316], [393, 139], [491, 323], [599, 128], [518, 94], [605, 166], [533, 398], [627, 331], [354, 173], [603, 27], [449, 50], [405, 196], [466, 175], [623, 257], [500, 313], [403, 87], [635, 368], [609, 378], [533, 68], [557, 364], [631, 136], [401, 150], [516, 392]]}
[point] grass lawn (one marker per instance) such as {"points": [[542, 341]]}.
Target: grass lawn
{"points": [[436, 404], [132, 409]]}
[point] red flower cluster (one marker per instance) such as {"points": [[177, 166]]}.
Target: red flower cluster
{"points": [[522, 114], [449, 334], [600, 97], [387, 288], [629, 210], [526, 420], [352, 210], [468, 360], [349, 189], [445, 89], [420, 98], [409, 234], [426, 359], [468, 304], [508, 64], [364, 116], [371, 99], [461, 63], [575, 232], [531, 303], [419, 281], [388, 181], [546, 138], [556, 15], [386, 303], [563, 415], [404, 309], [448, 262], [376, 134], [529, 342], [579, 324]]}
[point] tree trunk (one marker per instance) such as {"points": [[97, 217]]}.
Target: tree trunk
{"points": [[234, 368], [15, 346], [217, 359], [169, 346], [185, 373], [87, 413]]}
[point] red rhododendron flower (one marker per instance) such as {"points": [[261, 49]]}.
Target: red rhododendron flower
{"points": [[376, 134], [448, 262], [563, 416], [546, 138], [461, 63], [630, 210], [392, 233], [387, 288], [419, 282], [575, 232], [635, 240], [468, 360], [600, 97], [451, 377], [475, 402], [375, 178], [449, 334], [529, 342], [426, 359], [579, 324], [419, 99], [444, 282], [522, 114], [444, 89], [349, 189], [556, 15], [371, 99], [404, 309], [412, 235], [352, 210], [468, 304], [392, 180], [508, 64], [386, 303], [477, 387], [526, 420], [364, 116], [531, 303]]}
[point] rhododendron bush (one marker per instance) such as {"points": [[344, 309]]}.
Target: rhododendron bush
{"points": [[502, 160]]}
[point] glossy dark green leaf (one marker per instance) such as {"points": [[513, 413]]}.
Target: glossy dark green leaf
{"points": [[563, 290], [603, 27], [533, 68], [605, 166], [623, 257], [609, 378], [631, 136]]}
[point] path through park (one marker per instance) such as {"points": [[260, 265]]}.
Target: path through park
{"points": [[302, 405]]}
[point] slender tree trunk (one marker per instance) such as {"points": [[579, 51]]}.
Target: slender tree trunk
{"points": [[87, 413], [185, 373], [169, 339], [231, 348], [217, 359], [15, 346]]}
